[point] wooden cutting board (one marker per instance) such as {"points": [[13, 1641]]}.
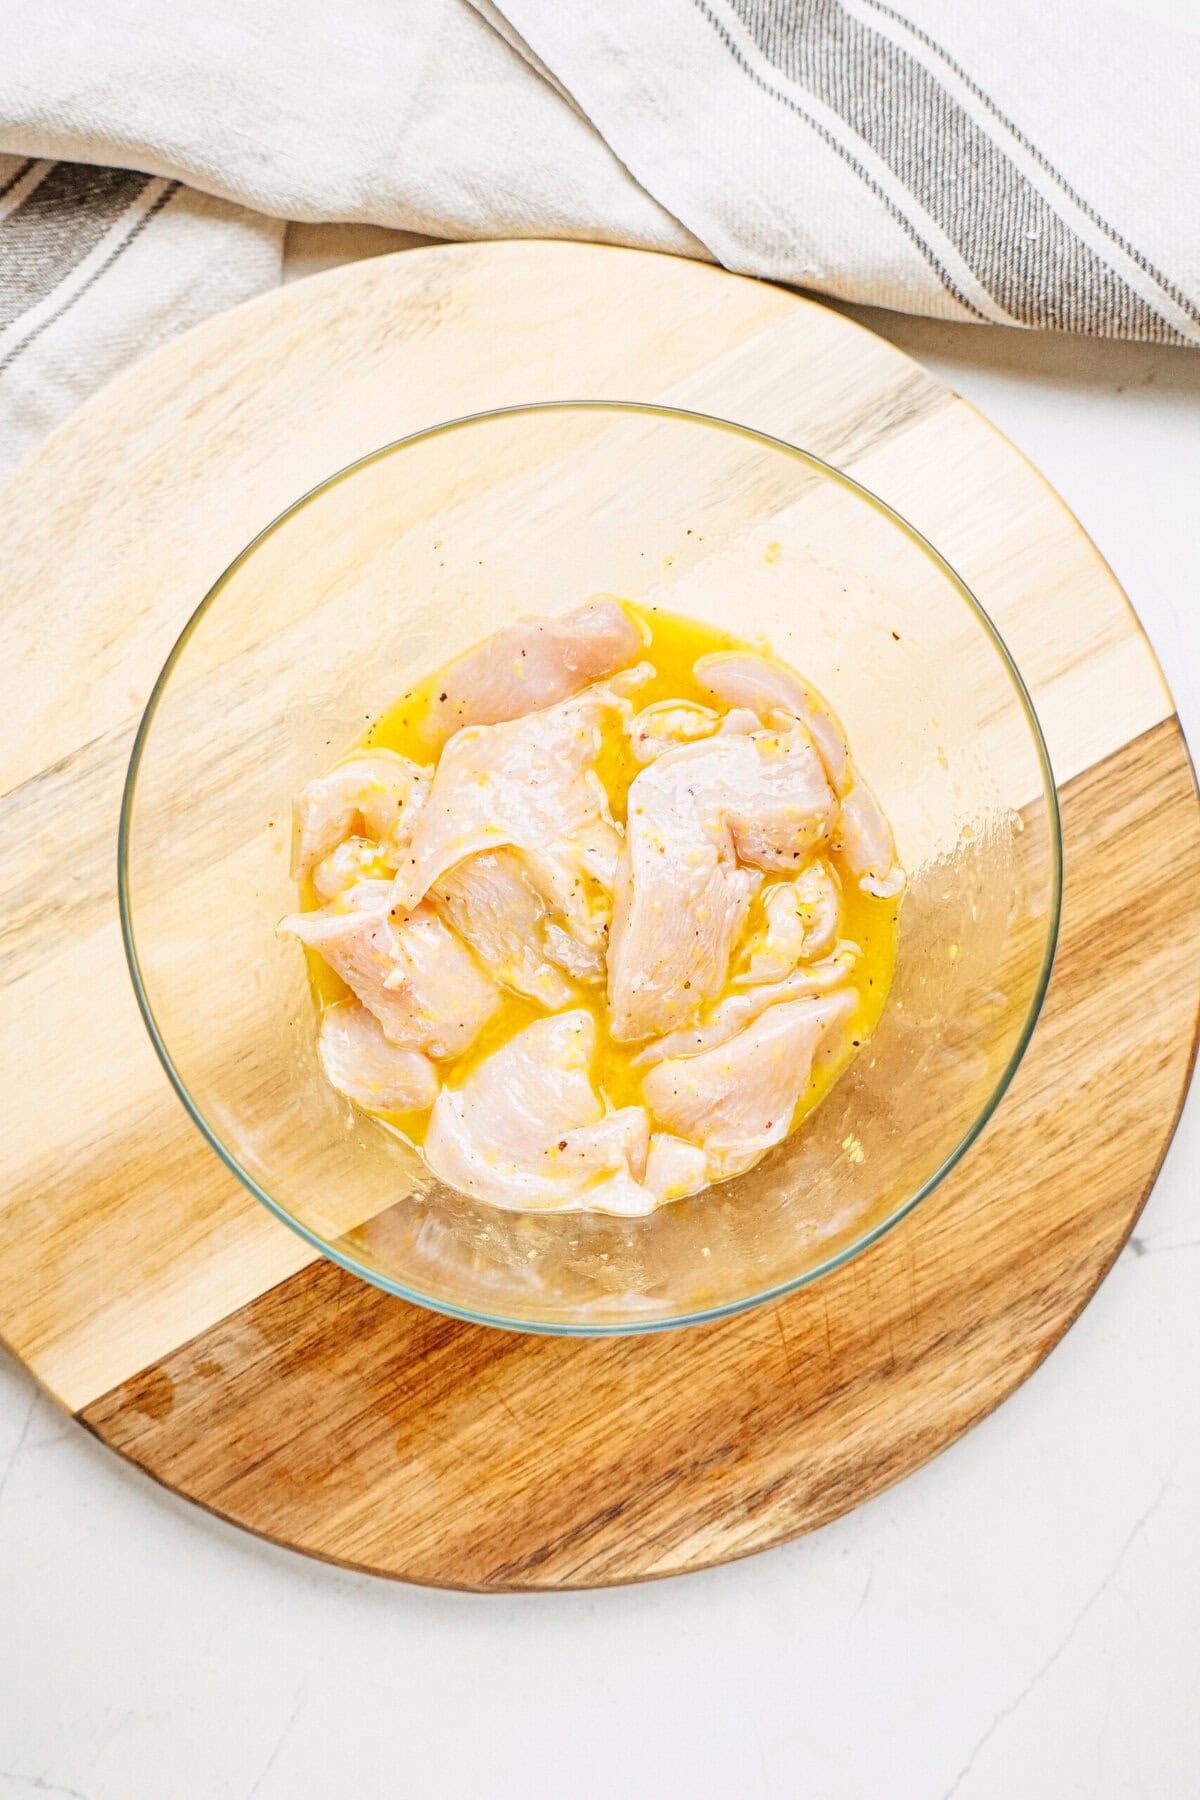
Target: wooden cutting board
{"points": [[195, 1334]]}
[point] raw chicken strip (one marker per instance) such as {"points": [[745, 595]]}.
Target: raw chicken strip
{"points": [[674, 1168], [736, 1011], [681, 898], [678, 906], [584, 962], [591, 852], [527, 1130], [738, 1100], [741, 679], [360, 1063], [380, 788], [575, 880], [668, 723], [865, 839], [422, 984], [494, 907], [530, 665], [741, 720], [530, 782], [778, 804], [355, 860], [801, 922], [628, 681]]}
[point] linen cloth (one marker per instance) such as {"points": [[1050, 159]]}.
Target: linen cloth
{"points": [[1025, 164]]}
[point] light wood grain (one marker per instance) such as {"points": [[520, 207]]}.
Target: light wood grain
{"points": [[121, 1236]]}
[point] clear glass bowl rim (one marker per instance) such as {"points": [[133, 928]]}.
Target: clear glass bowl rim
{"points": [[632, 1328]]}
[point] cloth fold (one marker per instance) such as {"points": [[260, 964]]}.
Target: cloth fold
{"points": [[1028, 165]]}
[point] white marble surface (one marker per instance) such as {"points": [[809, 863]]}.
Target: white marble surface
{"points": [[1019, 1621]]}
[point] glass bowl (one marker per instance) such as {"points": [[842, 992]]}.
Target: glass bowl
{"points": [[413, 554]]}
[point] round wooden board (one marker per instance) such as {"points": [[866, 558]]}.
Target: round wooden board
{"points": [[191, 1331]]}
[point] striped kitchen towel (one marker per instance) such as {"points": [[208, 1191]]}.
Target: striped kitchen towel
{"points": [[1026, 164]]}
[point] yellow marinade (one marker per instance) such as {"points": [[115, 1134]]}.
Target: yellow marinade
{"points": [[675, 644]]}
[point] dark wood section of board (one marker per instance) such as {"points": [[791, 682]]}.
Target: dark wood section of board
{"points": [[332, 1418]]}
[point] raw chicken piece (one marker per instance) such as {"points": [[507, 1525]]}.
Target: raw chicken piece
{"points": [[412, 972], [777, 804], [584, 962], [741, 679], [377, 788], [681, 897], [530, 665], [818, 897], [530, 782], [738, 1100], [591, 851], [668, 723], [674, 1168], [741, 721], [628, 681], [865, 839], [575, 880], [527, 1130], [678, 906], [736, 1011], [355, 860], [360, 1063], [491, 903], [801, 922]]}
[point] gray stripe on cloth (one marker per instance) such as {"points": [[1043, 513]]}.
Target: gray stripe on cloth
{"points": [[18, 174], [1043, 161], [844, 153], [1022, 252], [55, 227], [137, 227]]}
